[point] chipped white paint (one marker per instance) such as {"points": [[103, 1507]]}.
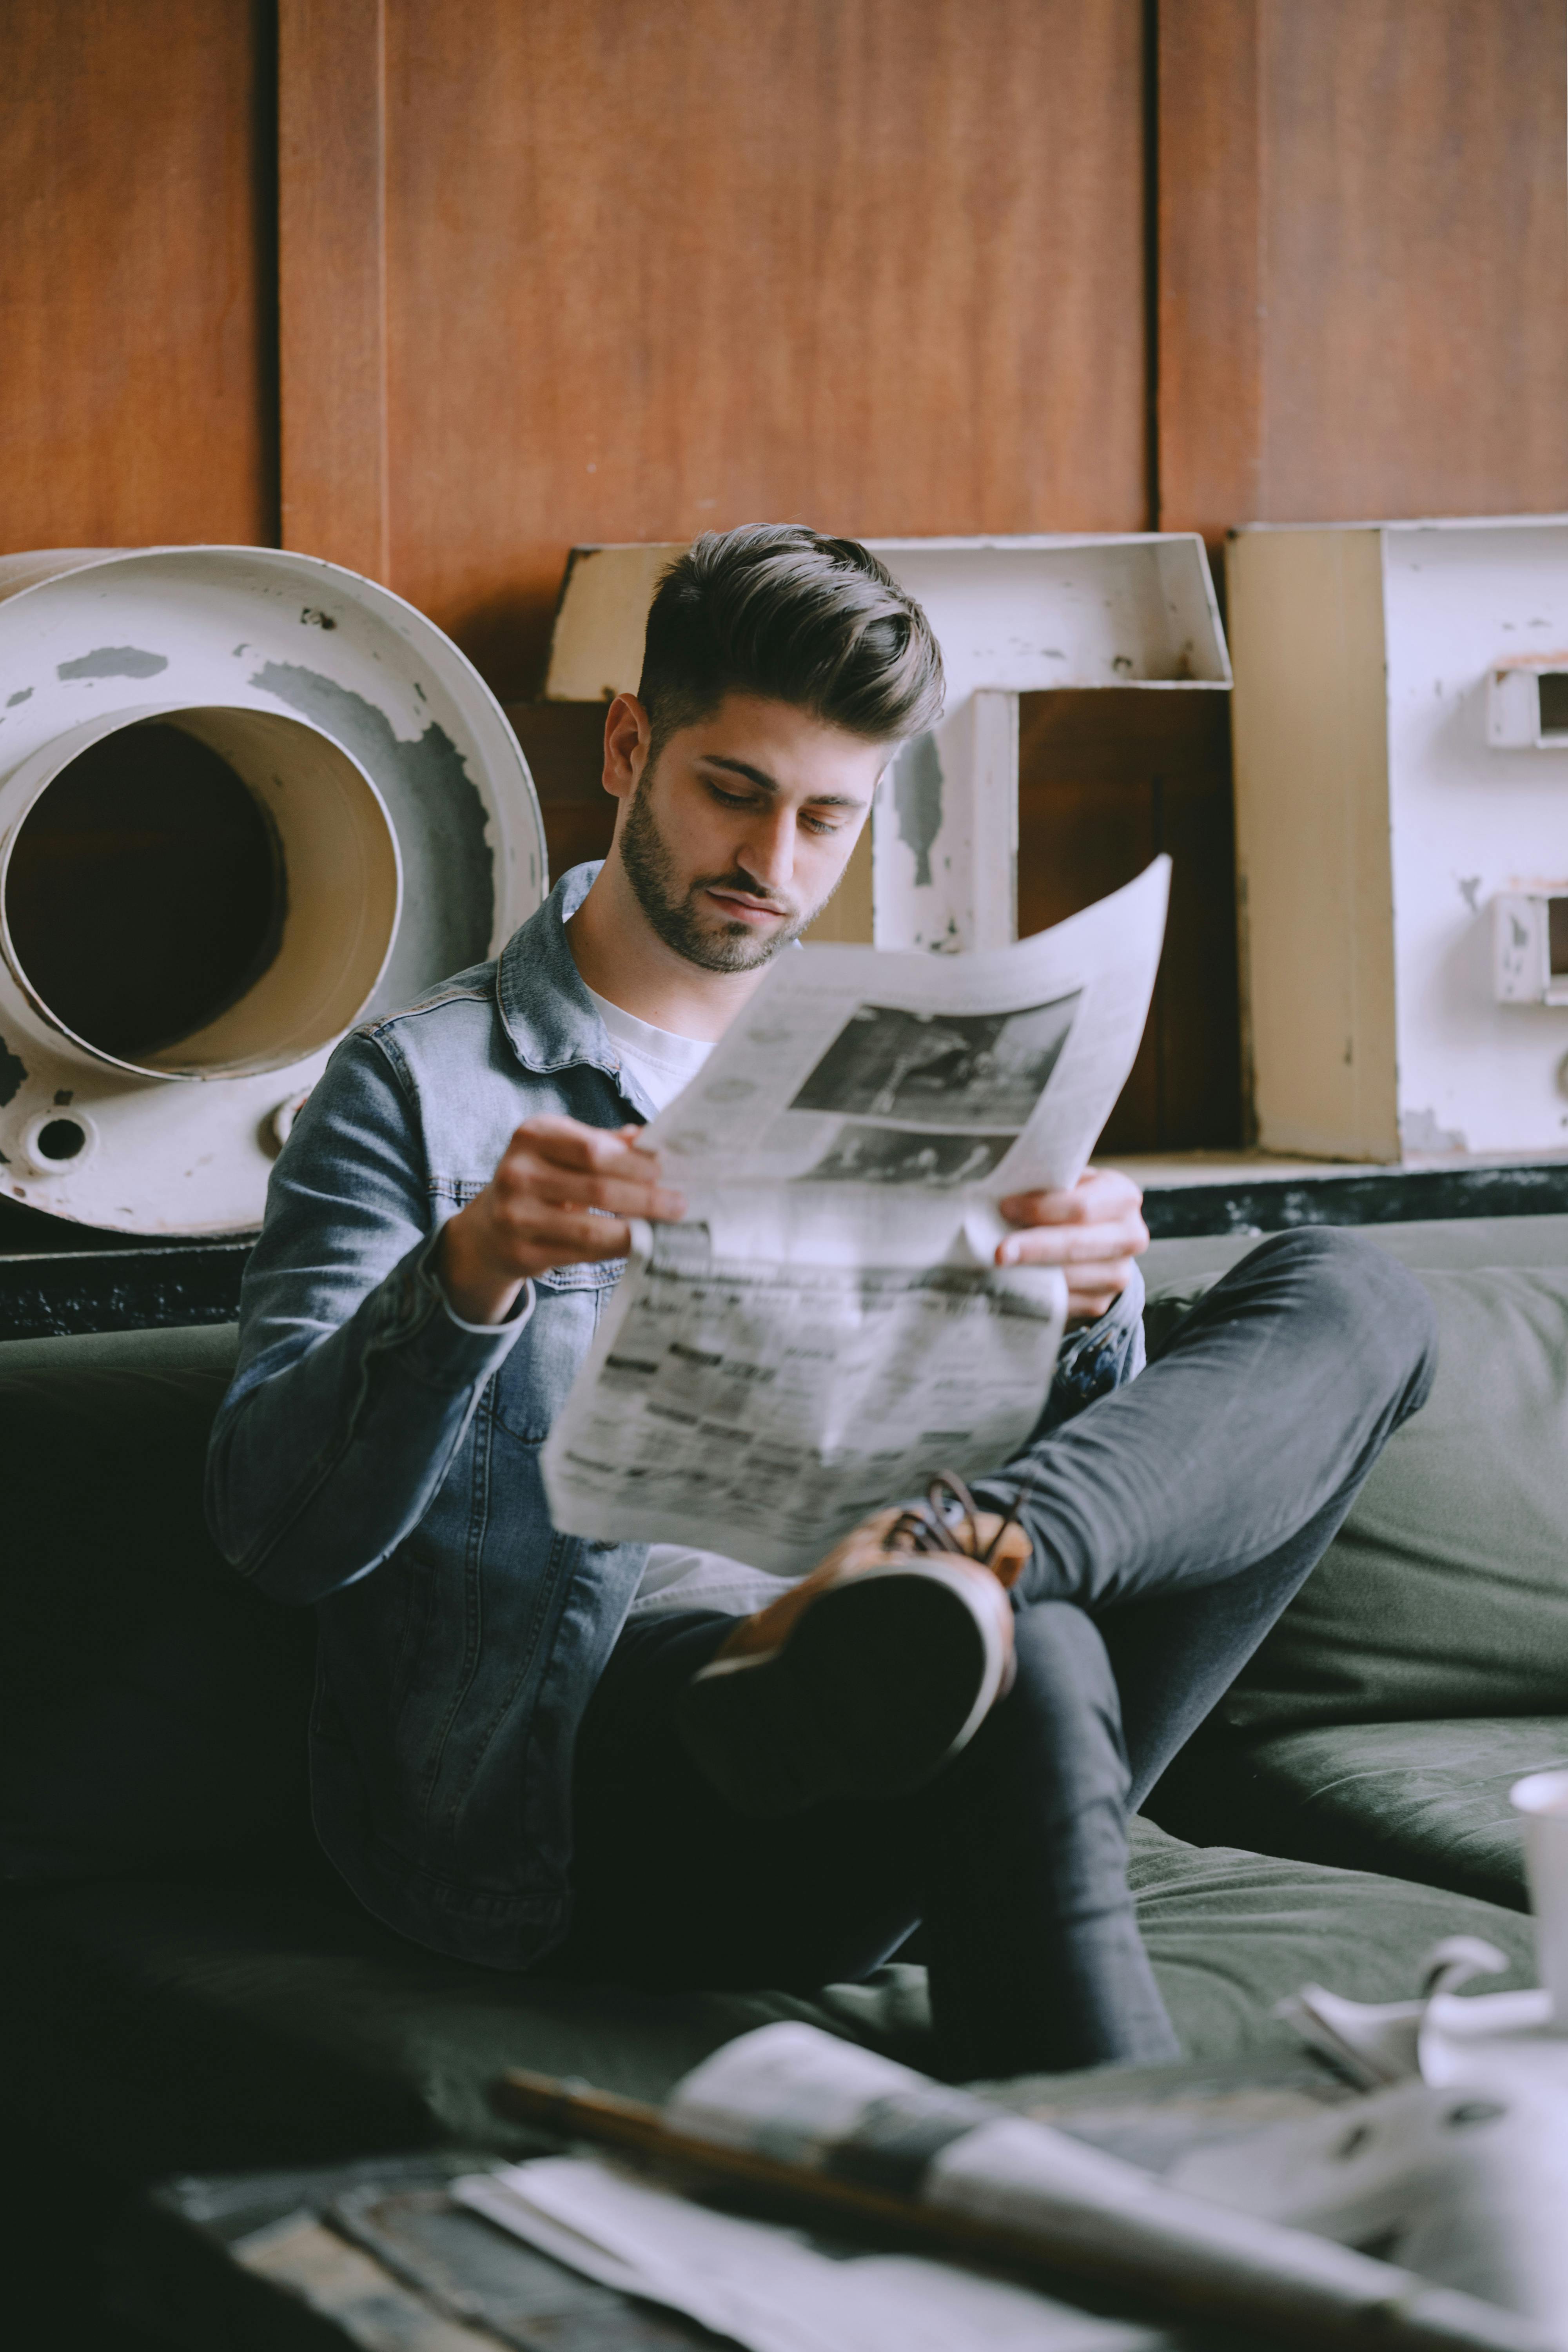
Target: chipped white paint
{"points": [[944, 846], [1394, 783], [1012, 616], [406, 826]]}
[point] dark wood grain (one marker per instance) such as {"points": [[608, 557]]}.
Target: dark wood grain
{"points": [[137, 396], [1208, 290], [1363, 260], [333, 280], [1416, 233], [878, 264], [1108, 778], [564, 743]]}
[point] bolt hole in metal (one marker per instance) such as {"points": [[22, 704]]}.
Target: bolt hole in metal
{"points": [[61, 1138], [56, 1141], [201, 894]]}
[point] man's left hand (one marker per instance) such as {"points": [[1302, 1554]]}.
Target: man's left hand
{"points": [[1094, 1231]]}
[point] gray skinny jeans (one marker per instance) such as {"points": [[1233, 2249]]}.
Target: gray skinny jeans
{"points": [[1172, 1521]]}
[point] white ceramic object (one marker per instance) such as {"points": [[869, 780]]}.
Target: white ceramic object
{"points": [[396, 806], [1543, 1799]]}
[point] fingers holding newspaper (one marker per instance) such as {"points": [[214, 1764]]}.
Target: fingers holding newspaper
{"points": [[562, 1195], [1093, 1231]]}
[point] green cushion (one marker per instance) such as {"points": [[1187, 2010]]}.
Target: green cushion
{"points": [[151, 1703], [1421, 1801], [1446, 1593], [212, 2020], [1232, 1933]]}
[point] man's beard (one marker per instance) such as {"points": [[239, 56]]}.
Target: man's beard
{"points": [[673, 913]]}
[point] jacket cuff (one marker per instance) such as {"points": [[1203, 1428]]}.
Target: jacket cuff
{"points": [[433, 1343], [1102, 1356]]}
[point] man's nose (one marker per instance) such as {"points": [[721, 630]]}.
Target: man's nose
{"points": [[768, 854]]}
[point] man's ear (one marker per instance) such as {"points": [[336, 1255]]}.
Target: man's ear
{"points": [[628, 734]]}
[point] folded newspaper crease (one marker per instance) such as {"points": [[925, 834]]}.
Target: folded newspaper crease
{"points": [[829, 1326], [800, 2105]]}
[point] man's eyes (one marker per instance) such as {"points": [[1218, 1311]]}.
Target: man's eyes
{"points": [[747, 801]]}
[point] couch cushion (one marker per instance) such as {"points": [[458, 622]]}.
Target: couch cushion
{"points": [[1233, 1933], [151, 1703], [214, 2019], [1427, 1242], [1421, 1801], [1446, 1593]]}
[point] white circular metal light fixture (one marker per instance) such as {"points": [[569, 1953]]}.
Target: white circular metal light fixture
{"points": [[246, 799]]}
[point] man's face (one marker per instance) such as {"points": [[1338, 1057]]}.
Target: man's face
{"points": [[738, 834]]}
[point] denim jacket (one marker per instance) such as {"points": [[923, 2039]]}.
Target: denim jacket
{"points": [[378, 1458]]}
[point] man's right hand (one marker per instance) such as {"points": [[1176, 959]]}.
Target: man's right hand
{"points": [[560, 1196]]}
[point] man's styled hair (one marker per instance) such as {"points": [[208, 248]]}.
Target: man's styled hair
{"points": [[774, 609]]}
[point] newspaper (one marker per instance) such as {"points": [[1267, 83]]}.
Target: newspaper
{"points": [[828, 1325], [870, 2136], [771, 2289]]}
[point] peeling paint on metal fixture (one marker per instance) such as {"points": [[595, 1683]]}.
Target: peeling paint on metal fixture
{"points": [[917, 801], [114, 661], [433, 807], [372, 809]]}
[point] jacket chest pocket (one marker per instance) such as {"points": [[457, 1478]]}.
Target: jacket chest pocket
{"points": [[530, 1387]]}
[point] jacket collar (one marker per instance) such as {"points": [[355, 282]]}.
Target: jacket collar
{"points": [[546, 1010]]}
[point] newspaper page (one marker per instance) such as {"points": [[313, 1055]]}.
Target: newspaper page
{"points": [[773, 2289], [828, 1326]]}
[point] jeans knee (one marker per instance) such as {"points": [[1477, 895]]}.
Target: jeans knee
{"points": [[1063, 1704], [1380, 1311]]}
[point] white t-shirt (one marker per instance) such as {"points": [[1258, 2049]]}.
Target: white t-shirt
{"points": [[675, 1577]]}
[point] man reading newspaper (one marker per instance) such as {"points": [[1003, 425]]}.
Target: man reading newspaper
{"points": [[649, 1764]]}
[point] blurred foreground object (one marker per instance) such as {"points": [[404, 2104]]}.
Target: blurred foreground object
{"points": [[841, 2134]]}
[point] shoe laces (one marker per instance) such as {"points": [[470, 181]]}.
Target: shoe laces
{"points": [[946, 1519]]}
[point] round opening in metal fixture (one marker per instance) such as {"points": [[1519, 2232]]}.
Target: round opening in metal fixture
{"points": [[200, 893], [144, 894]]}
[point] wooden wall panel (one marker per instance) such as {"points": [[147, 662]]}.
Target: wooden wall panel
{"points": [[136, 291], [331, 280], [1108, 778], [564, 743], [1209, 292], [878, 264], [1363, 260], [1414, 231]]}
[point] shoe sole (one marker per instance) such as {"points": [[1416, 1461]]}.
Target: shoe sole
{"points": [[882, 1680]]}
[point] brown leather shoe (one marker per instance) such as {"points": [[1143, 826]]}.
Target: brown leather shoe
{"points": [[868, 1676]]}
